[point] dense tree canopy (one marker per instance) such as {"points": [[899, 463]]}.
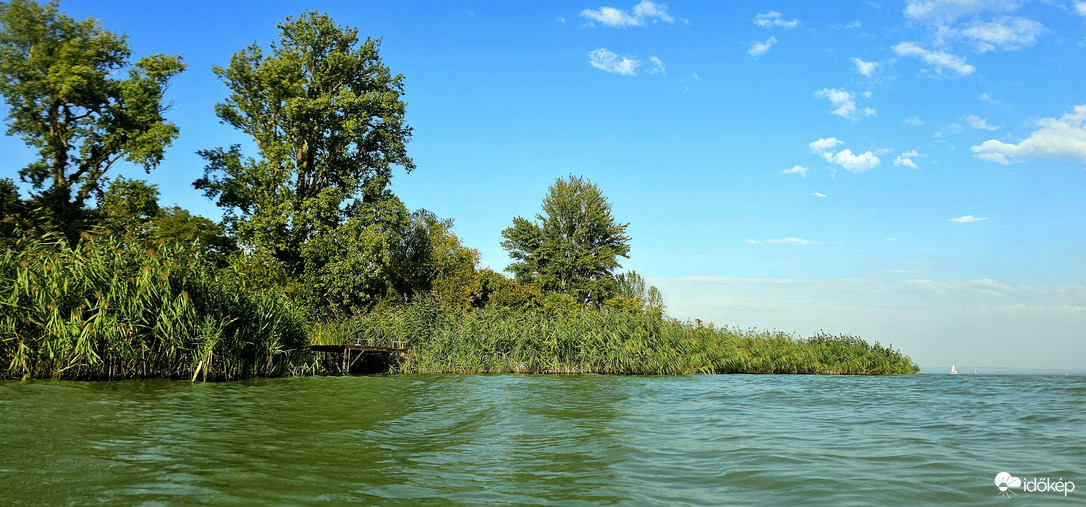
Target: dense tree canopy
{"points": [[131, 206], [57, 76], [573, 246], [327, 117]]}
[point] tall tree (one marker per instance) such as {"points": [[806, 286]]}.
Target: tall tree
{"points": [[573, 246], [57, 76], [328, 120]]}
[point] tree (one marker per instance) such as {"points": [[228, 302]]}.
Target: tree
{"points": [[328, 120], [633, 291], [573, 246], [57, 78], [429, 258], [128, 205], [132, 206]]}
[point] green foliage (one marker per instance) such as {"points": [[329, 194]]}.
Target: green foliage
{"points": [[129, 205], [132, 206], [14, 215], [327, 117], [430, 258], [57, 78], [346, 269], [112, 307], [589, 340], [174, 222], [634, 292], [573, 246]]}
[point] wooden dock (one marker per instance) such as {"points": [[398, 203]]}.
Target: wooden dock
{"points": [[358, 358]]}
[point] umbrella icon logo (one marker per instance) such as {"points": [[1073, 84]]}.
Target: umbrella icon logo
{"points": [[1005, 481]]}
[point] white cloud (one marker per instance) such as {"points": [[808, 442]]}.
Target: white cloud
{"points": [[658, 66], [642, 12], [825, 145], [1080, 8], [844, 103], [819, 194], [988, 98], [937, 59], [760, 48], [1010, 33], [906, 159], [853, 162], [611, 16], [774, 18], [979, 123], [968, 219], [560, 19], [1055, 139], [864, 67], [856, 163], [800, 170], [947, 11], [610, 62], [914, 120], [784, 241], [649, 10]]}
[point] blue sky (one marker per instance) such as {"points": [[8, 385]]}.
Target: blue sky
{"points": [[910, 172]]}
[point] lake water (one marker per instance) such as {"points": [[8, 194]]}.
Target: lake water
{"points": [[568, 440]]}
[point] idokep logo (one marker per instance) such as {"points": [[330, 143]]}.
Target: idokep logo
{"points": [[1006, 482]]}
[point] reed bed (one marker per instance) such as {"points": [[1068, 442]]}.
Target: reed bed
{"points": [[497, 340], [111, 307]]}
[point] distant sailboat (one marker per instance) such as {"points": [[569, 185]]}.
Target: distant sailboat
{"points": [[953, 370]]}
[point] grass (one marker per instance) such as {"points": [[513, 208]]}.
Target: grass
{"points": [[495, 340], [110, 307]]}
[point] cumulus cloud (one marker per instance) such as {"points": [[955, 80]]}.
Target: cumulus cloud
{"points": [[1080, 8], [937, 59], [774, 18], [856, 163], [947, 11], [643, 12], [610, 62], [800, 170], [914, 120], [825, 145], [989, 99], [906, 159], [1010, 33], [783, 241], [979, 123], [864, 67], [819, 194], [1062, 138], [844, 103], [760, 48], [968, 219]]}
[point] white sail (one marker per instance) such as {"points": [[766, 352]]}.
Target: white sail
{"points": [[953, 370]]}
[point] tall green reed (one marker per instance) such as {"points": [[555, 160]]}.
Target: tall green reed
{"points": [[498, 340], [111, 307]]}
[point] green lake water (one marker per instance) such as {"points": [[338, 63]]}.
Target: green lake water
{"points": [[560, 440]]}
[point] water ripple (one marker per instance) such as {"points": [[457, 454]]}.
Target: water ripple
{"points": [[542, 440]]}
